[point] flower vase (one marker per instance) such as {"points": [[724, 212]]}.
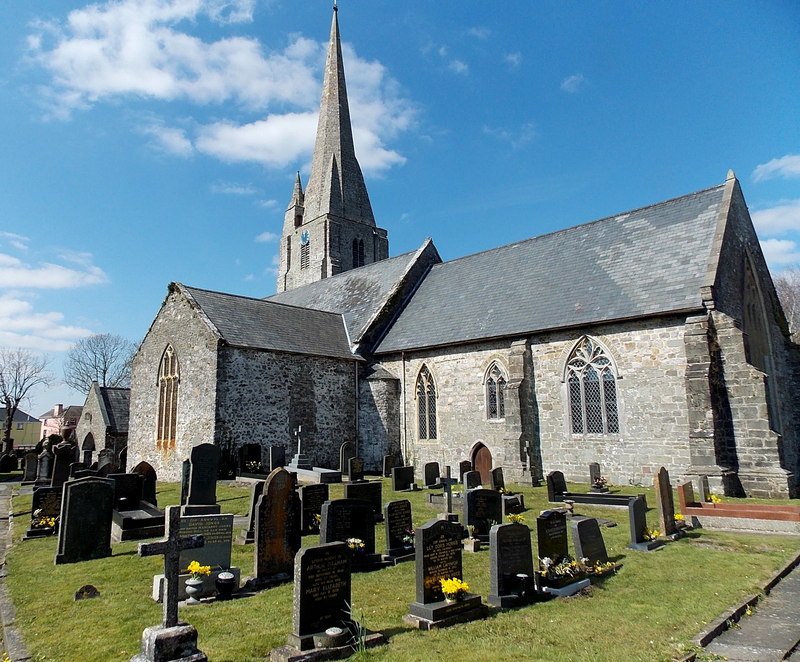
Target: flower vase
{"points": [[226, 584], [193, 588]]}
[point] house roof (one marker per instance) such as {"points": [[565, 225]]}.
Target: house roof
{"points": [[359, 294], [19, 416], [649, 261], [70, 411], [267, 325], [117, 405]]}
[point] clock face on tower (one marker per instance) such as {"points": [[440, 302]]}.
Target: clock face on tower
{"points": [[304, 237]]}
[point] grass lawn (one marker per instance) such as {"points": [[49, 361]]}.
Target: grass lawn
{"points": [[649, 611]]}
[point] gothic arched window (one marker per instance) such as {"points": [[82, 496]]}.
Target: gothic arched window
{"points": [[592, 390], [358, 253], [426, 404], [168, 379], [495, 392]]}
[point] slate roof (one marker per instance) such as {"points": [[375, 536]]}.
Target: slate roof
{"points": [[117, 404], [19, 416], [266, 325], [359, 294], [648, 261]]}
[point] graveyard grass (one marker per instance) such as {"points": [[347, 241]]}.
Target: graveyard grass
{"points": [[649, 611]]}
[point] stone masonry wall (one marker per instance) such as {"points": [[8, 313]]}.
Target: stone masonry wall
{"points": [[378, 419]]}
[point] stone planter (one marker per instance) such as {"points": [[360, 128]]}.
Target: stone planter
{"points": [[193, 588]]}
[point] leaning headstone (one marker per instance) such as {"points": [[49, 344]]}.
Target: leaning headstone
{"points": [[587, 539], [482, 510], [31, 464], [389, 463], [463, 467], [498, 481], [472, 480], [399, 531], [149, 482], [556, 486], [171, 640], [403, 479], [85, 528], [247, 535], [637, 517], [351, 519], [346, 451], [511, 575], [277, 457], [311, 499], [46, 506], [369, 491], [355, 469], [277, 535], [665, 502], [201, 497], [437, 548], [431, 475]]}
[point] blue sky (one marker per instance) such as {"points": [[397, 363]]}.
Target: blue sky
{"points": [[150, 141]]}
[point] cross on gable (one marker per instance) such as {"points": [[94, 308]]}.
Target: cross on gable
{"points": [[171, 549]]}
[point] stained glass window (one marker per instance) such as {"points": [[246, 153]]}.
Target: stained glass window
{"points": [[592, 390]]}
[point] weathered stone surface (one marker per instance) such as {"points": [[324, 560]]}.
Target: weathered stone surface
{"points": [[277, 535]]}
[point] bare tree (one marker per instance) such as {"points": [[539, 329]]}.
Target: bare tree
{"points": [[787, 284], [20, 371], [103, 358]]}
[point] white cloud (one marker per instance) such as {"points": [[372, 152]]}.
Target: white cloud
{"points": [[780, 252], [17, 241], [14, 273], [228, 188], [169, 140], [572, 84], [458, 66], [21, 326], [787, 167], [513, 59], [267, 237], [517, 137], [784, 217], [268, 204], [479, 33]]}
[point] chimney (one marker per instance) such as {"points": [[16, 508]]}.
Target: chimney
{"points": [[58, 410]]}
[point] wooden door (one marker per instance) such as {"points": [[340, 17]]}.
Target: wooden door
{"points": [[482, 462]]}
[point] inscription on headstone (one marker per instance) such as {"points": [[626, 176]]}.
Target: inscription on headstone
{"points": [[217, 532], [348, 518], [551, 533], [311, 499], [482, 509], [438, 556], [399, 527]]}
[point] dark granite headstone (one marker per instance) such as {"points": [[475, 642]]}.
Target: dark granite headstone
{"points": [[511, 574], [248, 534], [438, 556], [463, 467], [482, 509], [85, 529], [107, 469], [322, 587], [204, 462], [85, 473], [665, 502], [556, 485], [431, 474], [46, 503], [348, 518], [127, 491], [587, 539], [472, 480], [217, 532], [149, 482], [75, 467], [397, 518], [551, 534], [8, 462], [346, 451], [389, 463], [402, 478], [277, 457], [637, 517], [370, 491], [277, 536], [498, 482], [31, 464], [355, 469], [594, 472], [311, 499], [186, 469]]}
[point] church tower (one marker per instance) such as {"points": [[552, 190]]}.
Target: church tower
{"points": [[330, 228]]}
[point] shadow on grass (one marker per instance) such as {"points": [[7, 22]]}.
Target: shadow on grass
{"points": [[393, 632]]}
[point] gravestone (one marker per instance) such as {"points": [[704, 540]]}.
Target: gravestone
{"points": [[594, 472], [277, 457], [201, 497], [431, 475], [75, 467], [389, 463], [665, 502], [8, 462], [127, 491], [104, 457], [637, 517], [482, 509], [399, 530], [311, 499], [701, 487], [45, 465], [85, 525], [107, 469], [511, 574], [346, 451], [122, 460], [355, 469], [163, 643], [277, 529], [463, 467], [498, 481], [556, 485], [29, 469], [369, 491], [437, 548], [133, 517], [551, 534], [587, 539], [46, 504], [85, 473], [403, 479], [149, 482], [186, 468], [344, 519], [247, 535], [472, 480]]}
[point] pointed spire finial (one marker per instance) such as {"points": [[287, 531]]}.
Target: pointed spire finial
{"points": [[335, 6]]}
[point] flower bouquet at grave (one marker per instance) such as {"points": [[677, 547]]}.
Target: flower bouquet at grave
{"points": [[254, 467], [650, 534], [598, 568], [198, 571], [601, 484], [408, 538], [560, 571], [515, 518], [43, 523], [454, 589], [356, 545]]}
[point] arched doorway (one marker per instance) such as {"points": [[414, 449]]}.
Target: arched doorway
{"points": [[482, 462], [88, 448]]}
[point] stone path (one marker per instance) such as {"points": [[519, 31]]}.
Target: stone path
{"points": [[771, 632]]}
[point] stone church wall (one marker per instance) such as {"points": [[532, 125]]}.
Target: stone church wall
{"points": [[91, 423], [378, 419], [264, 396], [195, 345]]}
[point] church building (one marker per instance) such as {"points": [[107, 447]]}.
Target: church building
{"points": [[651, 338]]}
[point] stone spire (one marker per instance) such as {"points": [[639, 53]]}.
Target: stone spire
{"points": [[336, 185]]}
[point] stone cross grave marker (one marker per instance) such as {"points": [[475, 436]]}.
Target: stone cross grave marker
{"points": [[587, 539], [498, 481], [277, 535], [369, 491], [482, 509], [84, 532], [402, 478], [447, 484], [463, 467], [171, 549], [665, 502], [202, 493], [346, 451], [311, 499], [431, 475], [511, 575], [472, 480], [398, 523], [637, 517]]}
